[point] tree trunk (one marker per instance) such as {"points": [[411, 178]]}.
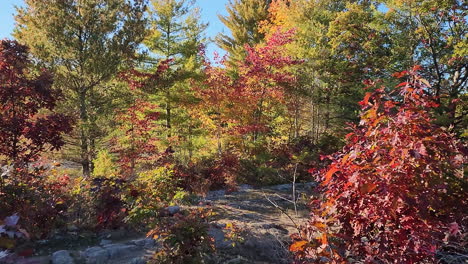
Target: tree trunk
{"points": [[168, 114], [85, 163]]}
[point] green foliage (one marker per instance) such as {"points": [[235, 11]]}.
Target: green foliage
{"points": [[243, 20], [104, 165], [85, 44], [155, 128], [176, 31], [151, 191]]}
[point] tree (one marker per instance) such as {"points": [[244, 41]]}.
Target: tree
{"points": [[28, 123], [243, 20], [85, 43], [176, 36], [134, 140], [397, 191], [246, 105], [434, 34]]}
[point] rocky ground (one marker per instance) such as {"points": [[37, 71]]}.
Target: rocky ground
{"points": [[264, 219]]}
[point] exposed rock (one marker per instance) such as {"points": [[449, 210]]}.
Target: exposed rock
{"points": [[62, 257], [139, 242], [117, 251], [96, 255], [105, 242], [283, 187], [144, 242], [138, 261], [238, 260], [215, 194], [173, 210], [72, 228], [219, 238], [114, 234]]}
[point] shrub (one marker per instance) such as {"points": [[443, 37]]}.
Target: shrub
{"points": [[184, 237], [104, 166], [41, 203], [209, 174], [150, 192], [108, 201], [395, 192]]}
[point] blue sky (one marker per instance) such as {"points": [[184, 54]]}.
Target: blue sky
{"points": [[210, 10]]}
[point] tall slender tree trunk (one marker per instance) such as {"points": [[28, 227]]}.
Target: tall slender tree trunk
{"points": [[85, 162], [168, 113]]}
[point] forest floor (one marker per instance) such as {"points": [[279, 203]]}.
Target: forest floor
{"points": [[264, 219]]}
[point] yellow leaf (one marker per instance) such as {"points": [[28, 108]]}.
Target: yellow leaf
{"points": [[7, 242]]}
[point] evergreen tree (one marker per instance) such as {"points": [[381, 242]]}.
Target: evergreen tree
{"points": [[176, 35], [85, 43], [243, 20]]}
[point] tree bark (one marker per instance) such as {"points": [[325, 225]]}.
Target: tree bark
{"points": [[85, 162]]}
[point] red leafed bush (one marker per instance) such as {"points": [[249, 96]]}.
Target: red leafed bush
{"points": [[395, 192], [109, 203], [41, 203], [209, 174]]}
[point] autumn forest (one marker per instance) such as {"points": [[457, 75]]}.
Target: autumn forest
{"points": [[324, 132]]}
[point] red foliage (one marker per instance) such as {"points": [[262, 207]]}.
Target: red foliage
{"points": [[24, 130], [40, 202], [244, 101], [140, 80], [109, 206], [396, 189], [138, 143], [209, 174]]}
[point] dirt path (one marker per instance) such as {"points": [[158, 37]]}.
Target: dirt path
{"points": [[262, 215], [264, 220]]}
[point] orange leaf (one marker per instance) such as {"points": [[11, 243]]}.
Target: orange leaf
{"points": [[367, 188], [324, 239], [298, 246], [366, 99], [345, 158], [320, 225], [329, 174], [417, 67], [403, 84], [400, 74]]}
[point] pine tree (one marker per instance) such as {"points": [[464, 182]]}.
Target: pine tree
{"points": [[85, 43], [243, 20], [176, 35]]}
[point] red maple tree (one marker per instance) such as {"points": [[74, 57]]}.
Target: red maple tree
{"points": [[28, 123], [397, 190]]}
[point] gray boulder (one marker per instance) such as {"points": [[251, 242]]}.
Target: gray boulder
{"points": [[173, 209], [117, 251], [62, 257], [96, 255]]}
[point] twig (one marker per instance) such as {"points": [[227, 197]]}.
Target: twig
{"points": [[282, 211]]}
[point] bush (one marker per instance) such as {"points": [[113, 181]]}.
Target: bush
{"points": [[108, 201], [184, 237], [397, 190], [150, 192], [209, 174], [41, 203]]}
